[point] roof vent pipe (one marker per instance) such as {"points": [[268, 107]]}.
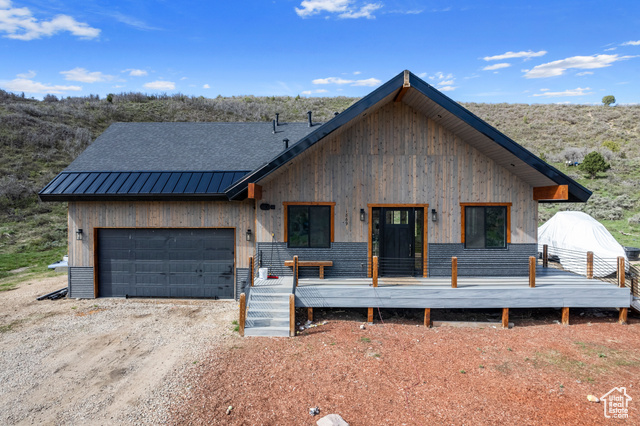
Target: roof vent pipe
{"points": [[335, 113], [274, 127], [310, 121], [286, 143], [277, 119]]}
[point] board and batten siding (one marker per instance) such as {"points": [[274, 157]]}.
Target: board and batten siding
{"points": [[90, 215], [396, 155]]}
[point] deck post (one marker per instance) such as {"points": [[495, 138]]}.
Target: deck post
{"points": [[622, 317], [370, 316], [545, 256], [427, 317], [292, 315], [295, 270], [243, 314], [621, 272], [590, 265], [375, 271], [251, 270], [505, 317], [310, 314], [532, 271], [454, 272], [565, 316]]}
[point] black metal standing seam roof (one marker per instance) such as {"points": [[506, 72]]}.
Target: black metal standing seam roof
{"points": [[69, 186], [577, 192]]}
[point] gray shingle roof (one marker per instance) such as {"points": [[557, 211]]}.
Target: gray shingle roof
{"points": [[186, 146]]}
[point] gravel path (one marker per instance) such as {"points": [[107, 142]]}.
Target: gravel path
{"points": [[101, 361]]}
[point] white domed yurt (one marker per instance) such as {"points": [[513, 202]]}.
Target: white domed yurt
{"points": [[570, 235]]}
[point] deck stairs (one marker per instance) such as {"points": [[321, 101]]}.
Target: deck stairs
{"points": [[268, 309]]}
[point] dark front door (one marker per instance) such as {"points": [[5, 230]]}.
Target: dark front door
{"points": [[397, 242]]}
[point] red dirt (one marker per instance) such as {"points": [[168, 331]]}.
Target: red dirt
{"points": [[400, 372]]}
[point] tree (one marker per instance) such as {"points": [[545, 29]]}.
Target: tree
{"points": [[594, 163], [608, 100]]}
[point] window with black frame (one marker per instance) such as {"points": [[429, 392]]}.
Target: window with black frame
{"points": [[309, 226], [485, 227]]}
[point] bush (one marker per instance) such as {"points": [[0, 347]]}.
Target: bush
{"points": [[593, 164], [611, 145], [635, 219]]}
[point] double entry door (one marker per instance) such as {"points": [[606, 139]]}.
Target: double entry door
{"points": [[398, 240]]}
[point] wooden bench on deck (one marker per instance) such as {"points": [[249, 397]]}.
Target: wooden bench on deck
{"points": [[319, 263]]}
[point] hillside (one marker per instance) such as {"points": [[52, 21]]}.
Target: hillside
{"points": [[39, 138]]}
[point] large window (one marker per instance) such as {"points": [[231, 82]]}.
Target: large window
{"points": [[485, 227], [309, 225]]}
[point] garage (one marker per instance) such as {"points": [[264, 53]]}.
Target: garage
{"points": [[177, 263]]}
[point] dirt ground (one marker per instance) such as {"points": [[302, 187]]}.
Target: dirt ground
{"points": [[397, 372], [110, 361], [103, 361]]}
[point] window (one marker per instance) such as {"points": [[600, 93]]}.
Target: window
{"points": [[485, 227], [309, 226]]}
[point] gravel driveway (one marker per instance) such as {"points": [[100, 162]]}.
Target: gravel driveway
{"points": [[100, 361]]}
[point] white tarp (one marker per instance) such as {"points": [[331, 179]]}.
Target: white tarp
{"points": [[570, 235]]}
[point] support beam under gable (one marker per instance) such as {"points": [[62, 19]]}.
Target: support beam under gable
{"points": [[555, 192], [405, 87], [255, 191]]}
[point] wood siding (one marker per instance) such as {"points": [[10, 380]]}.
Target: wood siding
{"points": [[89, 216], [396, 155]]}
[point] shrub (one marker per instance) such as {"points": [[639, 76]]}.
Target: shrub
{"points": [[634, 220], [573, 154], [594, 163], [613, 146]]}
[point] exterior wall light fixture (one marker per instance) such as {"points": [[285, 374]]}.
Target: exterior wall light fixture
{"points": [[79, 234], [248, 234], [362, 215], [434, 215]]}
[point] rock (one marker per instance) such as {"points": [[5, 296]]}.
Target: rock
{"points": [[229, 410], [593, 398], [314, 411], [362, 327], [332, 420]]}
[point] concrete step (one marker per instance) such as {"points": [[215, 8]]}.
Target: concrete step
{"points": [[267, 322], [267, 331]]}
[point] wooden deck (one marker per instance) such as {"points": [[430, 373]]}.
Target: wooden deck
{"points": [[554, 289]]}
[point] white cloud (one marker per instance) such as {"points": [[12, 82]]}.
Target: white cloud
{"points": [[311, 92], [160, 85], [129, 20], [84, 76], [631, 43], [512, 55], [30, 86], [206, 86], [370, 82], [184, 78], [445, 83], [357, 72], [135, 72], [610, 49], [556, 68], [447, 88], [345, 9], [571, 92], [27, 75], [496, 66], [20, 24], [585, 73]]}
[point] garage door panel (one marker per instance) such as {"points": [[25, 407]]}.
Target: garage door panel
{"points": [[181, 263]]}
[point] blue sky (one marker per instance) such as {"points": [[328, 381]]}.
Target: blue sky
{"points": [[560, 51]]}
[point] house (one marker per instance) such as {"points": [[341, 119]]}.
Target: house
{"points": [[405, 174]]}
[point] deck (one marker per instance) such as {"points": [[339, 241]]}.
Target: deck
{"points": [[553, 289]]}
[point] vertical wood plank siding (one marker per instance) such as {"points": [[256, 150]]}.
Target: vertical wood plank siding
{"points": [[152, 214], [396, 155]]}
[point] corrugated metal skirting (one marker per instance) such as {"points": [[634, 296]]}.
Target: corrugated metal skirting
{"points": [[512, 261], [349, 259], [81, 282]]}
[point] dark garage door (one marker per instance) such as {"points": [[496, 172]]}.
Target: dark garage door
{"points": [[166, 263]]}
